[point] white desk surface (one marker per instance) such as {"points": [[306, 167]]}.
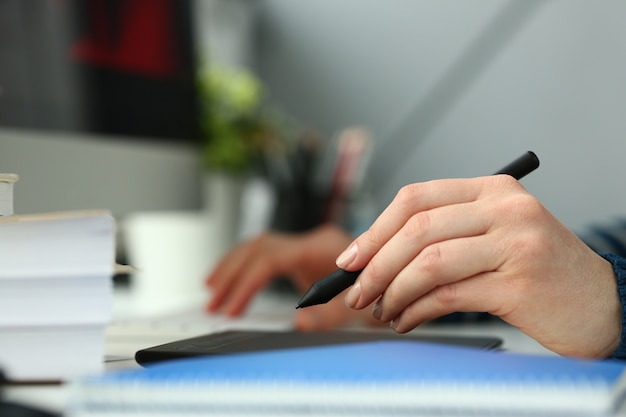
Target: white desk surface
{"points": [[121, 346]]}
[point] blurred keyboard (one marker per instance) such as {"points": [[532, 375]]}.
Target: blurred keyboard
{"points": [[195, 322], [128, 333]]}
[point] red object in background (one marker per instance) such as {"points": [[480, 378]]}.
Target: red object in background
{"points": [[136, 36]]}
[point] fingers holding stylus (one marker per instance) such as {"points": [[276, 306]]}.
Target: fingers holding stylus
{"points": [[410, 200], [467, 295], [418, 239], [438, 266]]}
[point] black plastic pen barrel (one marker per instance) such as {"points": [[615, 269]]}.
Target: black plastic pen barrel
{"points": [[522, 166], [329, 287]]}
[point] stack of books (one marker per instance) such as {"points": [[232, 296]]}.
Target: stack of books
{"points": [[56, 293]]}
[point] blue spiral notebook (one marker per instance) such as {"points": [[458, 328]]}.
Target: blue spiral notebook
{"points": [[372, 378]]}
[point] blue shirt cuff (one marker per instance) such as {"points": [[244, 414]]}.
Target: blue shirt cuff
{"points": [[619, 267]]}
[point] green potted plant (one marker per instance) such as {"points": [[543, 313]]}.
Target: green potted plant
{"points": [[238, 131], [235, 124]]}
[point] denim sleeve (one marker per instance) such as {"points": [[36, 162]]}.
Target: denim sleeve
{"points": [[606, 238], [619, 267]]}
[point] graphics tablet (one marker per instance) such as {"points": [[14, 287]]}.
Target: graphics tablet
{"points": [[246, 341]]}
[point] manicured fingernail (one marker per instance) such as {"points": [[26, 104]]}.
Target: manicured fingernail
{"points": [[393, 324], [377, 311], [353, 295], [347, 257]]}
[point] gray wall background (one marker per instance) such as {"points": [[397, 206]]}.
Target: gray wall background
{"points": [[460, 88], [448, 89]]}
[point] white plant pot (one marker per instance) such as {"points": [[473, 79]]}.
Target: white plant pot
{"points": [[222, 202]]}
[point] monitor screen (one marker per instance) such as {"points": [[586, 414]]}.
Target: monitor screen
{"points": [[113, 67]]}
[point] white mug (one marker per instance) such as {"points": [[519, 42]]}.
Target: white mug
{"points": [[173, 253]]}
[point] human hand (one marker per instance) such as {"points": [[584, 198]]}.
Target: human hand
{"points": [[485, 245], [304, 258]]}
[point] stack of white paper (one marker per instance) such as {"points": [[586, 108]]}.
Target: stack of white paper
{"points": [[55, 293]]}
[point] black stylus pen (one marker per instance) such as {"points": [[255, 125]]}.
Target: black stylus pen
{"points": [[330, 286]]}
